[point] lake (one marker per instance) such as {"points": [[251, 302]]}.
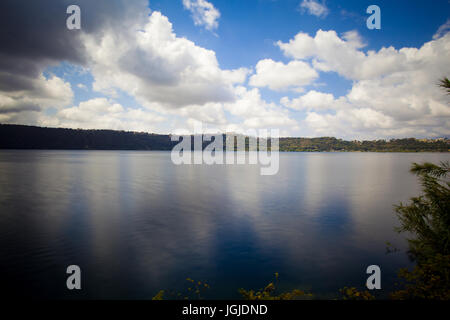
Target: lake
{"points": [[136, 224]]}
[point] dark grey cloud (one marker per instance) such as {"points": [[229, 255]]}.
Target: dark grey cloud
{"points": [[37, 29], [34, 36], [20, 107], [10, 82], [138, 62]]}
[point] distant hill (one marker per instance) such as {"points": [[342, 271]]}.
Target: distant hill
{"points": [[394, 145], [30, 137]]}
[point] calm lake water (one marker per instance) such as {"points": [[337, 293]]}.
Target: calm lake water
{"points": [[135, 223]]}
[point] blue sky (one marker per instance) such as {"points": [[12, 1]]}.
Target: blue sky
{"points": [[250, 71], [249, 28]]}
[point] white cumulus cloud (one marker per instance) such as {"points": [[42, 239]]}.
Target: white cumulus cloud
{"points": [[443, 29], [102, 113], [257, 113], [314, 8], [393, 94], [40, 94], [158, 68], [280, 76], [313, 100], [203, 12]]}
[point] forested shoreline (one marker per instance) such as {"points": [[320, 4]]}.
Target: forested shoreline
{"points": [[31, 137]]}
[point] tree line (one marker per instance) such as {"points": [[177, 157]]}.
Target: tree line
{"points": [[31, 137]]}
